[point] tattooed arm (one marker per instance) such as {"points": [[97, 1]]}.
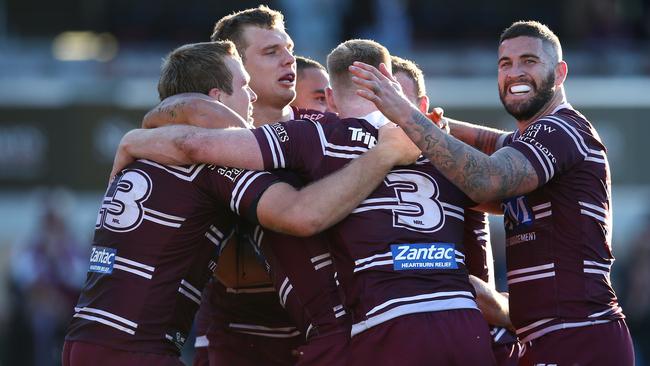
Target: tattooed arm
{"points": [[483, 138], [192, 109], [506, 173]]}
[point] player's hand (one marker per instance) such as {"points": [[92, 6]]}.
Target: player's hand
{"points": [[397, 145], [122, 157], [437, 117], [381, 88]]}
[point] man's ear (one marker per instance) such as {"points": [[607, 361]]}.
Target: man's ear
{"points": [[561, 71], [215, 93], [423, 104], [329, 98]]}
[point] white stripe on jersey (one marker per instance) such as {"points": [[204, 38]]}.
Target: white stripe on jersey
{"points": [[616, 310], [596, 271], [185, 173], [285, 289], [162, 218], [531, 277], [320, 257], [555, 327], [105, 322], [240, 188], [594, 207], [595, 216], [131, 270], [453, 211], [547, 165], [134, 263], [542, 215], [323, 264], [189, 295], [530, 269], [276, 148], [255, 290], [598, 264], [418, 297], [191, 288], [541, 206], [373, 264], [418, 307], [259, 330], [372, 258], [534, 325], [571, 131], [106, 314]]}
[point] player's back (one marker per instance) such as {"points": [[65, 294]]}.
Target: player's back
{"points": [[400, 251], [157, 235]]}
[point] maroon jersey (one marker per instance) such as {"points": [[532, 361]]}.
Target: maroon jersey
{"points": [[558, 237], [157, 235], [400, 251]]}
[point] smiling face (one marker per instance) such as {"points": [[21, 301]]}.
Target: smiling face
{"points": [[271, 64], [527, 76], [242, 97]]}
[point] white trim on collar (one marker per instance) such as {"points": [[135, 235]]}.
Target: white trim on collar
{"points": [[376, 119]]}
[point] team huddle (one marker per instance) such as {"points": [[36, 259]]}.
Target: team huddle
{"points": [[306, 215]]}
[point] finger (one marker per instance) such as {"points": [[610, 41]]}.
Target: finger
{"points": [[384, 71], [366, 84], [370, 69], [361, 73]]}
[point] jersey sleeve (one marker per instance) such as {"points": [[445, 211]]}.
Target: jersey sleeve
{"points": [[294, 145], [552, 145], [241, 189]]}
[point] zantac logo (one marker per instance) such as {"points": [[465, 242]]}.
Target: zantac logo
{"points": [[102, 259], [423, 256]]}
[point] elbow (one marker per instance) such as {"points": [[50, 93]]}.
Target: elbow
{"points": [[190, 146], [302, 224]]}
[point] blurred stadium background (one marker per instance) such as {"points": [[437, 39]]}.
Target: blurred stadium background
{"points": [[75, 75]]}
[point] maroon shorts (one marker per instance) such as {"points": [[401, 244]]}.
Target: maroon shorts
{"points": [[239, 349], [325, 350], [77, 353], [602, 344], [451, 337]]}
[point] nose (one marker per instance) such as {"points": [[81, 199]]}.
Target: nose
{"points": [[289, 58]]}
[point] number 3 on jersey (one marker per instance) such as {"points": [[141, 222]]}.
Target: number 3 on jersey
{"points": [[122, 209], [417, 196]]}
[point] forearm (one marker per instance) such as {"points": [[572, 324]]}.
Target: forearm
{"points": [[325, 202], [481, 177], [492, 304], [192, 109], [182, 145], [485, 139]]}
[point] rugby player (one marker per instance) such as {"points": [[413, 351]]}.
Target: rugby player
{"points": [[554, 182]]}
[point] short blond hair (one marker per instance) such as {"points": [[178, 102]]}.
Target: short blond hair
{"points": [[342, 57]]}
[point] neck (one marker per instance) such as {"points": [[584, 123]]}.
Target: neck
{"points": [[265, 114], [355, 107], [558, 98]]}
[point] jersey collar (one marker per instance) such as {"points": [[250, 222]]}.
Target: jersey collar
{"points": [[376, 119]]}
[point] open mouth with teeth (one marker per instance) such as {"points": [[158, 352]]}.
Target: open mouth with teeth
{"points": [[519, 89], [289, 78]]}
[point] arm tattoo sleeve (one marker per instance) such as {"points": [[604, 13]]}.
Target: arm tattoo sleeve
{"points": [[482, 177]]}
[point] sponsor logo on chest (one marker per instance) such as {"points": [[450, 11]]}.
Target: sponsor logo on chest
{"points": [[365, 137], [102, 259], [423, 256]]}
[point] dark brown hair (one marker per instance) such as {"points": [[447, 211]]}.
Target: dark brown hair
{"points": [[197, 68], [533, 29], [231, 27], [412, 70]]}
